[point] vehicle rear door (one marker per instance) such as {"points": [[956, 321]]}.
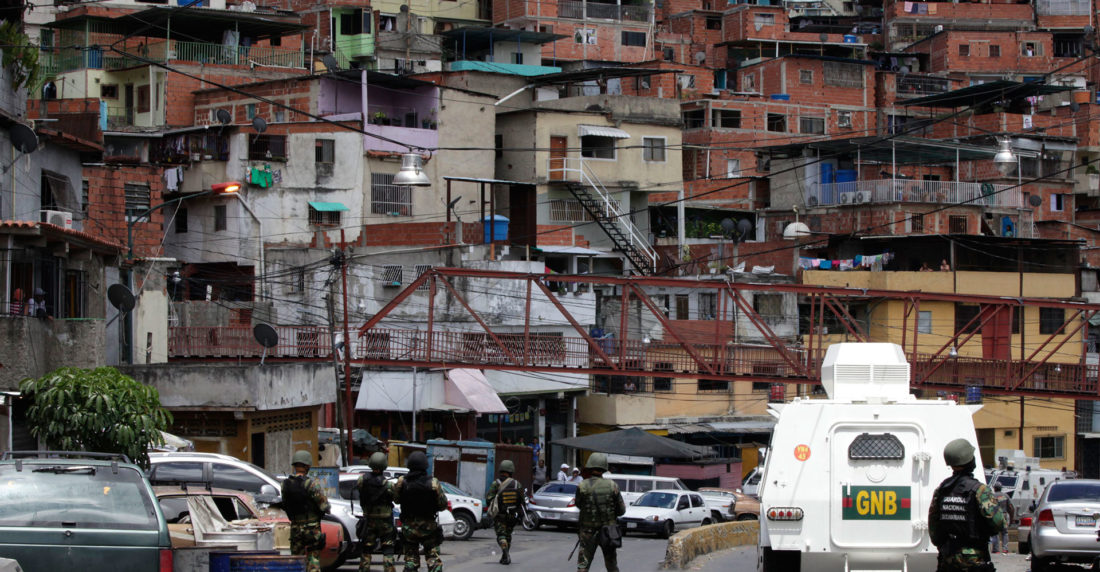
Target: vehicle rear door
{"points": [[876, 496]]}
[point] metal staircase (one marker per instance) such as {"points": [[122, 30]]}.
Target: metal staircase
{"points": [[606, 212]]}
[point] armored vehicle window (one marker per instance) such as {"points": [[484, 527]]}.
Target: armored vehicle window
{"points": [[876, 447]]}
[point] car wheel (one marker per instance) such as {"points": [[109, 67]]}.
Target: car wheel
{"points": [[464, 526], [1040, 564], [716, 516], [706, 522], [747, 516], [668, 529], [1024, 547]]}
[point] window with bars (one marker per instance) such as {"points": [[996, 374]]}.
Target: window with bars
{"points": [[568, 210], [882, 447], [137, 199], [388, 198], [325, 152], [267, 148], [712, 385], [420, 270], [391, 275], [839, 74], [811, 125], [916, 222], [1050, 447], [662, 383], [708, 306], [957, 224], [221, 218], [296, 281], [324, 218], [769, 307]]}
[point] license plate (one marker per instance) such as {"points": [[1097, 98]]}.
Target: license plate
{"points": [[632, 525], [548, 516], [1086, 521]]}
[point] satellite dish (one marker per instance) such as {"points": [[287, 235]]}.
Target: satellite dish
{"points": [[700, 57], [330, 63], [259, 124], [823, 37], [223, 116], [404, 8], [265, 335], [121, 298], [744, 227], [1035, 201], [728, 226], [1074, 106], [451, 205], [23, 138]]}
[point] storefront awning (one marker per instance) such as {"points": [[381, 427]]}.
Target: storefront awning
{"points": [[468, 388], [601, 131]]}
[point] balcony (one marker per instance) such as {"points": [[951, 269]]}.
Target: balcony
{"points": [[64, 60], [913, 85], [599, 11], [912, 191]]}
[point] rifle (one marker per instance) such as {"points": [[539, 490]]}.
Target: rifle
{"points": [[570, 557]]}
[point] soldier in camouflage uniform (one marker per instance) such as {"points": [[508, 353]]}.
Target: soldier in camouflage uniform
{"points": [[376, 498], [963, 514], [420, 497], [504, 497], [600, 504], [304, 502]]}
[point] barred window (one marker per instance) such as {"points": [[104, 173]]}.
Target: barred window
{"points": [[388, 198], [868, 447], [420, 270], [324, 218], [391, 275], [267, 147], [568, 210], [839, 74], [137, 199], [811, 125]]}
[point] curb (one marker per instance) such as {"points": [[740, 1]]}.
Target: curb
{"points": [[684, 546]]}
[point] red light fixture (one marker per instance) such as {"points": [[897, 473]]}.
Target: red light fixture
{"points": [[229, 188]]}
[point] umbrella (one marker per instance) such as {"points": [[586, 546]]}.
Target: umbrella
{"points": [[636, 442]]}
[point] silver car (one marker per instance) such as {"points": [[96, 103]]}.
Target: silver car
{"points": [[1064, 525], [555, 503]]}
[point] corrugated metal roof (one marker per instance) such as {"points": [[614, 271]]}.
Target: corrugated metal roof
{"points": [[601, 131]]}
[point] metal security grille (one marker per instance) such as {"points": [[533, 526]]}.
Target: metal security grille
{"points": [[884, 447], [388, 198]]}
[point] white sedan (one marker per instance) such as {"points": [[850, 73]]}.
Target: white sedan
{"points": [[664, 512]]}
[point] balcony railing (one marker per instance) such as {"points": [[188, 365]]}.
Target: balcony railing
{"points": [[595, 10], [909, 85], [913, 191], [70, 59]]}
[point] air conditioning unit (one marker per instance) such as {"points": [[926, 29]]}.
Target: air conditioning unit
{"points": [[862, 197], [847, 198], [58, 218]]}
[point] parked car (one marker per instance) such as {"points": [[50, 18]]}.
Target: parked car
{"points": [[1023, 534], [227, 472], [80, 511], [633, 487], [664, 512], [238, 505], [467, 510], [751, 484], [1064, 526], [555, 503], [389, 473], [731, 503], [447, 521]]}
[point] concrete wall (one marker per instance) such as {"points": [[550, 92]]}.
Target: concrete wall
{"points": [[220, 385], [32, 348], [616, 409]]}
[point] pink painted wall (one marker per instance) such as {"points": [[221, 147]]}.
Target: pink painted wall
{"points": [[729, 474]]}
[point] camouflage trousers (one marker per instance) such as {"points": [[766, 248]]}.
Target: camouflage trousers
{"points": [[965, 560], [503, 525], [305, 540], [378, 530], [588, 537], [422, 533]]}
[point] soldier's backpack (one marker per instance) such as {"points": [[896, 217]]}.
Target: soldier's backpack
{"points": [[508, 498]]}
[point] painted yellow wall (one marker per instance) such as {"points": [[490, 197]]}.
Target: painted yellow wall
{"points": [[1042, 418]]}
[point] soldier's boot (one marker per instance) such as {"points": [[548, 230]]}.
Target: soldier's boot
{"points": [[504, 558]]}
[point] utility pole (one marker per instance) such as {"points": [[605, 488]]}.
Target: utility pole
{"points": [[349, 410], [336, 368]]}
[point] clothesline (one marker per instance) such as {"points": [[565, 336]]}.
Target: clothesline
{"points": [[874, 262]]}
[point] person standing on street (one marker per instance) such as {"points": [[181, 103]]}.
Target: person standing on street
{"points": [[305, 503], [1005, 504], [503, 500], [376, 498], [420, 497], [563, 473], [539, 478], [576, 478], [600, 504], [963, 515]]}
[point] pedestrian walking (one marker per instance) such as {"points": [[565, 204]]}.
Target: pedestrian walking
{"points": [[600, 504], [963, 515], [503, 500], [376, 498], [420, 497], [1005, 505], [305, 503]]}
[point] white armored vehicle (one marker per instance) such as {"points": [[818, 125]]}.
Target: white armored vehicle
{"points": [[848, 479]]}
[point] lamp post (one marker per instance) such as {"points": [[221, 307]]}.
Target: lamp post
{"points": [[231, 188]]}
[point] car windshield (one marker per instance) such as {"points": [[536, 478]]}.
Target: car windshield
{"points": [[1006, 481], [75, 496], [1066, 491], [657, 500], [559, 489], [450, 489]]}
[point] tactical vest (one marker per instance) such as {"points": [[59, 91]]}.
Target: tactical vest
{"points": [[297, 500], [418, 499], [598, 507], [509, 496], [374, 498], [960, 521]]}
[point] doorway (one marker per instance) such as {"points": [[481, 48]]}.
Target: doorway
{"points": [[559, 148]]}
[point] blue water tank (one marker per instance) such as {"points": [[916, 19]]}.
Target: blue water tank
{"points": [[827, 173], [496, 228], [851, 39], [846, 175], [974, 394]]}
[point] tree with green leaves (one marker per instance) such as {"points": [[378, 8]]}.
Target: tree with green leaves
{"points": [[100, 410]]}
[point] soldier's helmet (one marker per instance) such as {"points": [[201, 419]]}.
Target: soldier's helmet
{"points": [[302, 457], [377, 462], [418, 461], [596, 461], [507, 467], [958, 453]]}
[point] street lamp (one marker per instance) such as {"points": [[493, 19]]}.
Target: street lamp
{"points": [[229, 188], [412, 172], [1005, 160]]}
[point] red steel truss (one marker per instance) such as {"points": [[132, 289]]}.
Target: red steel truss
{"points": [[1044, 365]]}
